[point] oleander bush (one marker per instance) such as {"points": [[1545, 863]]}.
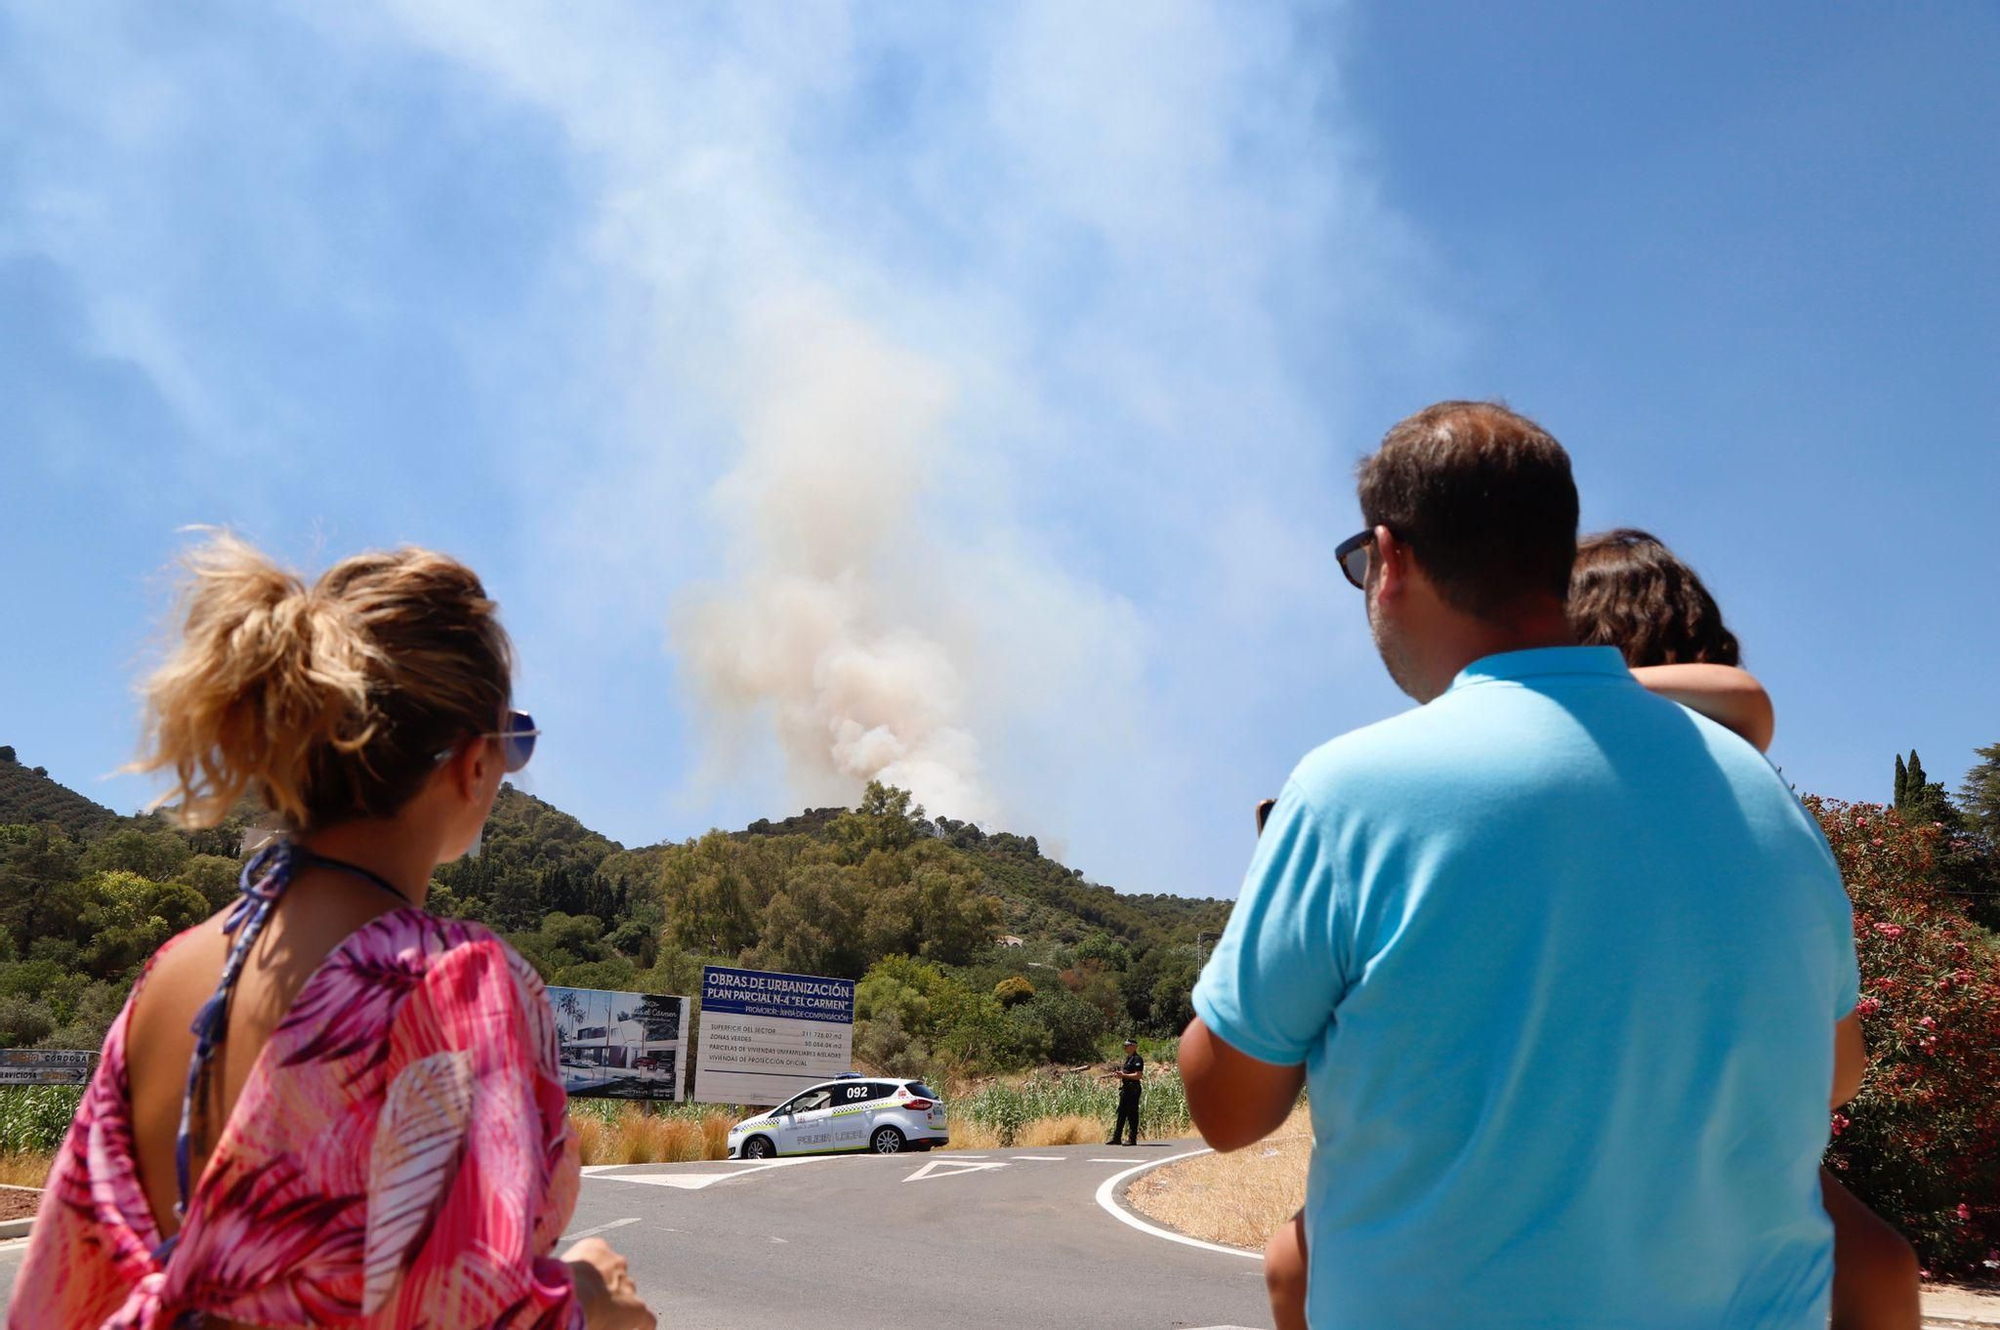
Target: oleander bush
{"points": [[1921, 1142]]}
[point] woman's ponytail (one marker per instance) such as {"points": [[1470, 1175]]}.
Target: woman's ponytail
{"points": [[296, 694]]}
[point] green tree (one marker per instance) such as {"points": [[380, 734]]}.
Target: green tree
{"points": [[707, 897], [213, 876], [122, 918], [1075, 1028], [954, 919], [673, 973], [617, 974], [157, 855], [813, 926], [581, 935], [1013, 991], [1980, 794], [1920, 799], [886, 819], [900, 1006], [1101, 946]]}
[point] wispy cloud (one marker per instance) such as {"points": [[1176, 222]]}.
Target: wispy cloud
{"points": [[945, 394]]}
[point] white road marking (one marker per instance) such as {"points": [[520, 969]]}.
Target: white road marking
{"points": [[1107, 1190], [582, 1233], [697, 1181], [1123, 1159], [1045, 1159], [946, 1168]]}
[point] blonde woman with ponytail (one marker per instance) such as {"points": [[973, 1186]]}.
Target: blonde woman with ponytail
{"points": [[324, 1106]]}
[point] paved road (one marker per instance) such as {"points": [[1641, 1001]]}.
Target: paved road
{"points": [[991, 1241]]}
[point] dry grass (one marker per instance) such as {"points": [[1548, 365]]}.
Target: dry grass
{"points": [[715, 1134], [29, 1168], [972, 1136], [1062, 1129], [1236, 1199], [1069, 1129], [634, 1136]]}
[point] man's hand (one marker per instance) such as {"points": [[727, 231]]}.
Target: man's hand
{"points": [[1235, 1100]]}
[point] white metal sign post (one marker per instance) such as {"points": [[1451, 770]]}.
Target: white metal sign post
{"points": [[764, 1036]]}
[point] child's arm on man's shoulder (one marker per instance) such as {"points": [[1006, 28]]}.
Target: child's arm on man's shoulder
{"points": [[1726, 695]]}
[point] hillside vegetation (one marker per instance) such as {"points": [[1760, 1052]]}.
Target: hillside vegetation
{"points": [[912, 907]]}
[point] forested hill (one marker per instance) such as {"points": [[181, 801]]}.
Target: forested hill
{"points": [[86, 895], [29, 795]]}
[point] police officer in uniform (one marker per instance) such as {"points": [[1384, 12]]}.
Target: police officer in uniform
{"points": [[1130, 1082]]}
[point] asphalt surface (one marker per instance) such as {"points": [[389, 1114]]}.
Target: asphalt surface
{"points": [[915, 1239]]}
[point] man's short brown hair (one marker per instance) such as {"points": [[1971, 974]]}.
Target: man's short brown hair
{"points": [[1484, 498]]}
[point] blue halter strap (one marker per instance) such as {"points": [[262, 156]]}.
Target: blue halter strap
{"points": [[263, 882]]}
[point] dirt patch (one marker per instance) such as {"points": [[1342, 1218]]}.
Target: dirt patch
{"points": [[1236, 1199], [18, 1203]]}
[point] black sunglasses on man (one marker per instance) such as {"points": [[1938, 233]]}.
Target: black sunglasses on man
{"points": [[1352, 555]]}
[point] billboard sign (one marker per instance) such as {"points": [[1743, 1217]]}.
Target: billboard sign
{"points": [[46, 1066], [765, 1036], [620, 1045]]}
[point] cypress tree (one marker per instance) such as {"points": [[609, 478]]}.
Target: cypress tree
{"points": [[1902, 783]]}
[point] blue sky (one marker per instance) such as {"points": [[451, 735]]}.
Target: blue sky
{"points": [[973, 396]]}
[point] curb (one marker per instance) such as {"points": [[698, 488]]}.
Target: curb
{"points": [[1111, 1196], [17, 1228]]}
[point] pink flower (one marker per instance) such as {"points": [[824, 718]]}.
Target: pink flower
{"points": [[1889, 930], [1840, 1123], [1860, 824], [1876, 841], [1964, 1212], [1868, 1006], [1928, 1022]]}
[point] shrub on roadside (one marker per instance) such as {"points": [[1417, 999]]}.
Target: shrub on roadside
{"points": [[34, 1118], [1921, 1142], [1009, 1110]]}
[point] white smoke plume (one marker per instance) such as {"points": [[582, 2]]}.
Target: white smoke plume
{"points": [[838, 433], [1004, 345]]}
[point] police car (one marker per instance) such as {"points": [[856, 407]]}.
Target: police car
{"points": [[884, 1115]]}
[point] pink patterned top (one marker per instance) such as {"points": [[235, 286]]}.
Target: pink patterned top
{"points": [[400, 1156]]}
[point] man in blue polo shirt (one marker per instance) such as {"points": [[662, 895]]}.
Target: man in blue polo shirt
{"points": [[1564, 964]]}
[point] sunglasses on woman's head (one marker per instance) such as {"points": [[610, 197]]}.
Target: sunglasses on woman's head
{"points": [[1352, 556], [517, 741]]}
